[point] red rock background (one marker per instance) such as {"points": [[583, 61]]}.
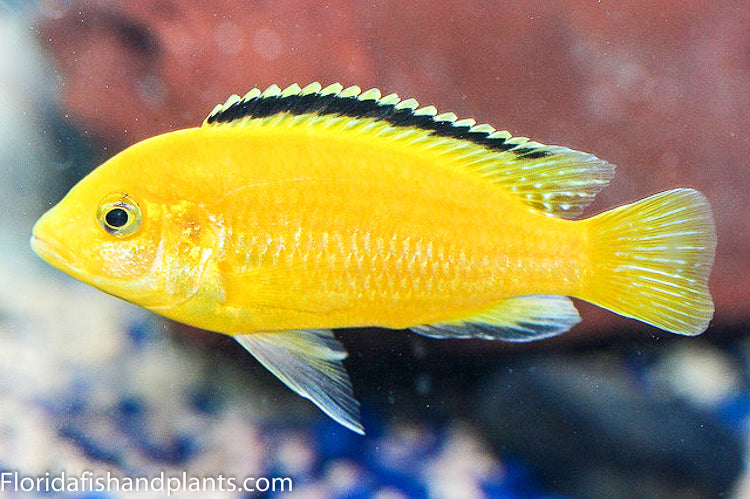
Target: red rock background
{"points": [[658, 87]]}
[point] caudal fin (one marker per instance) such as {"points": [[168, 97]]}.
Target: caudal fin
{"points": [[651, 260]]}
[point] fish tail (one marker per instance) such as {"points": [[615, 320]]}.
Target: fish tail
{"points": [[650, 260]]}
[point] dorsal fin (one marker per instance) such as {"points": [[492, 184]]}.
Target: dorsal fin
{"points": [[553, 179]]}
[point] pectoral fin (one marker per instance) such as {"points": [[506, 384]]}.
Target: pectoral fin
{"points": [[519, 319], [310, 363]]}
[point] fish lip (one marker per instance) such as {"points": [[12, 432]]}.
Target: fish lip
{"points": [[55, 254]]}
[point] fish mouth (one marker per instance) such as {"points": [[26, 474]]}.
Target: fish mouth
{"points": [[63, 259], [53, 253]]}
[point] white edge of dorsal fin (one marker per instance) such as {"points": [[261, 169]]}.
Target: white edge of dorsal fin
{"points": [[352, 91], [332, 89], [293, 89]]}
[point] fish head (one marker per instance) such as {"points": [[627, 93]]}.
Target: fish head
{"points": [[128, 235]]}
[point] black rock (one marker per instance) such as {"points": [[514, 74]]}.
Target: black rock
{"points": [[589, 429]]}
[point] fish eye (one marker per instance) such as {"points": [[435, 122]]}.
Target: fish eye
{"points": [[119, 215], [116, 217]]}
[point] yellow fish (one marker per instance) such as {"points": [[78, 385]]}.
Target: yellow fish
{"points": [[291, 212]]}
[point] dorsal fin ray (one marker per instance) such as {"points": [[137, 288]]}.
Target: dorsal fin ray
{"points": [[553, 179]]}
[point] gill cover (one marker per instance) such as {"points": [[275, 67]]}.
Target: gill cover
{"points": [[189, 243]]}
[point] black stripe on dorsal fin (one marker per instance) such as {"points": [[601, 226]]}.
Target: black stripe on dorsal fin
{"points": [[335, 100]]}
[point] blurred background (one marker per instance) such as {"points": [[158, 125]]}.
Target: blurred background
{"points": [[612, 409]]}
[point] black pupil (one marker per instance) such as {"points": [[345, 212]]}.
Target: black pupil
{"points": [[116, 217]]}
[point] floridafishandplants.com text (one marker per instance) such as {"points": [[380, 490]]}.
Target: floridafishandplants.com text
{"points": [[168, 484]]}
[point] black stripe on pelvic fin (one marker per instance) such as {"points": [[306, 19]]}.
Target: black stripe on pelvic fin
{"points": [[354, 107]]}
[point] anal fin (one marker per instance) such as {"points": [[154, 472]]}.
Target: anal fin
{"points": [[310, 363], [518, 319]]}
